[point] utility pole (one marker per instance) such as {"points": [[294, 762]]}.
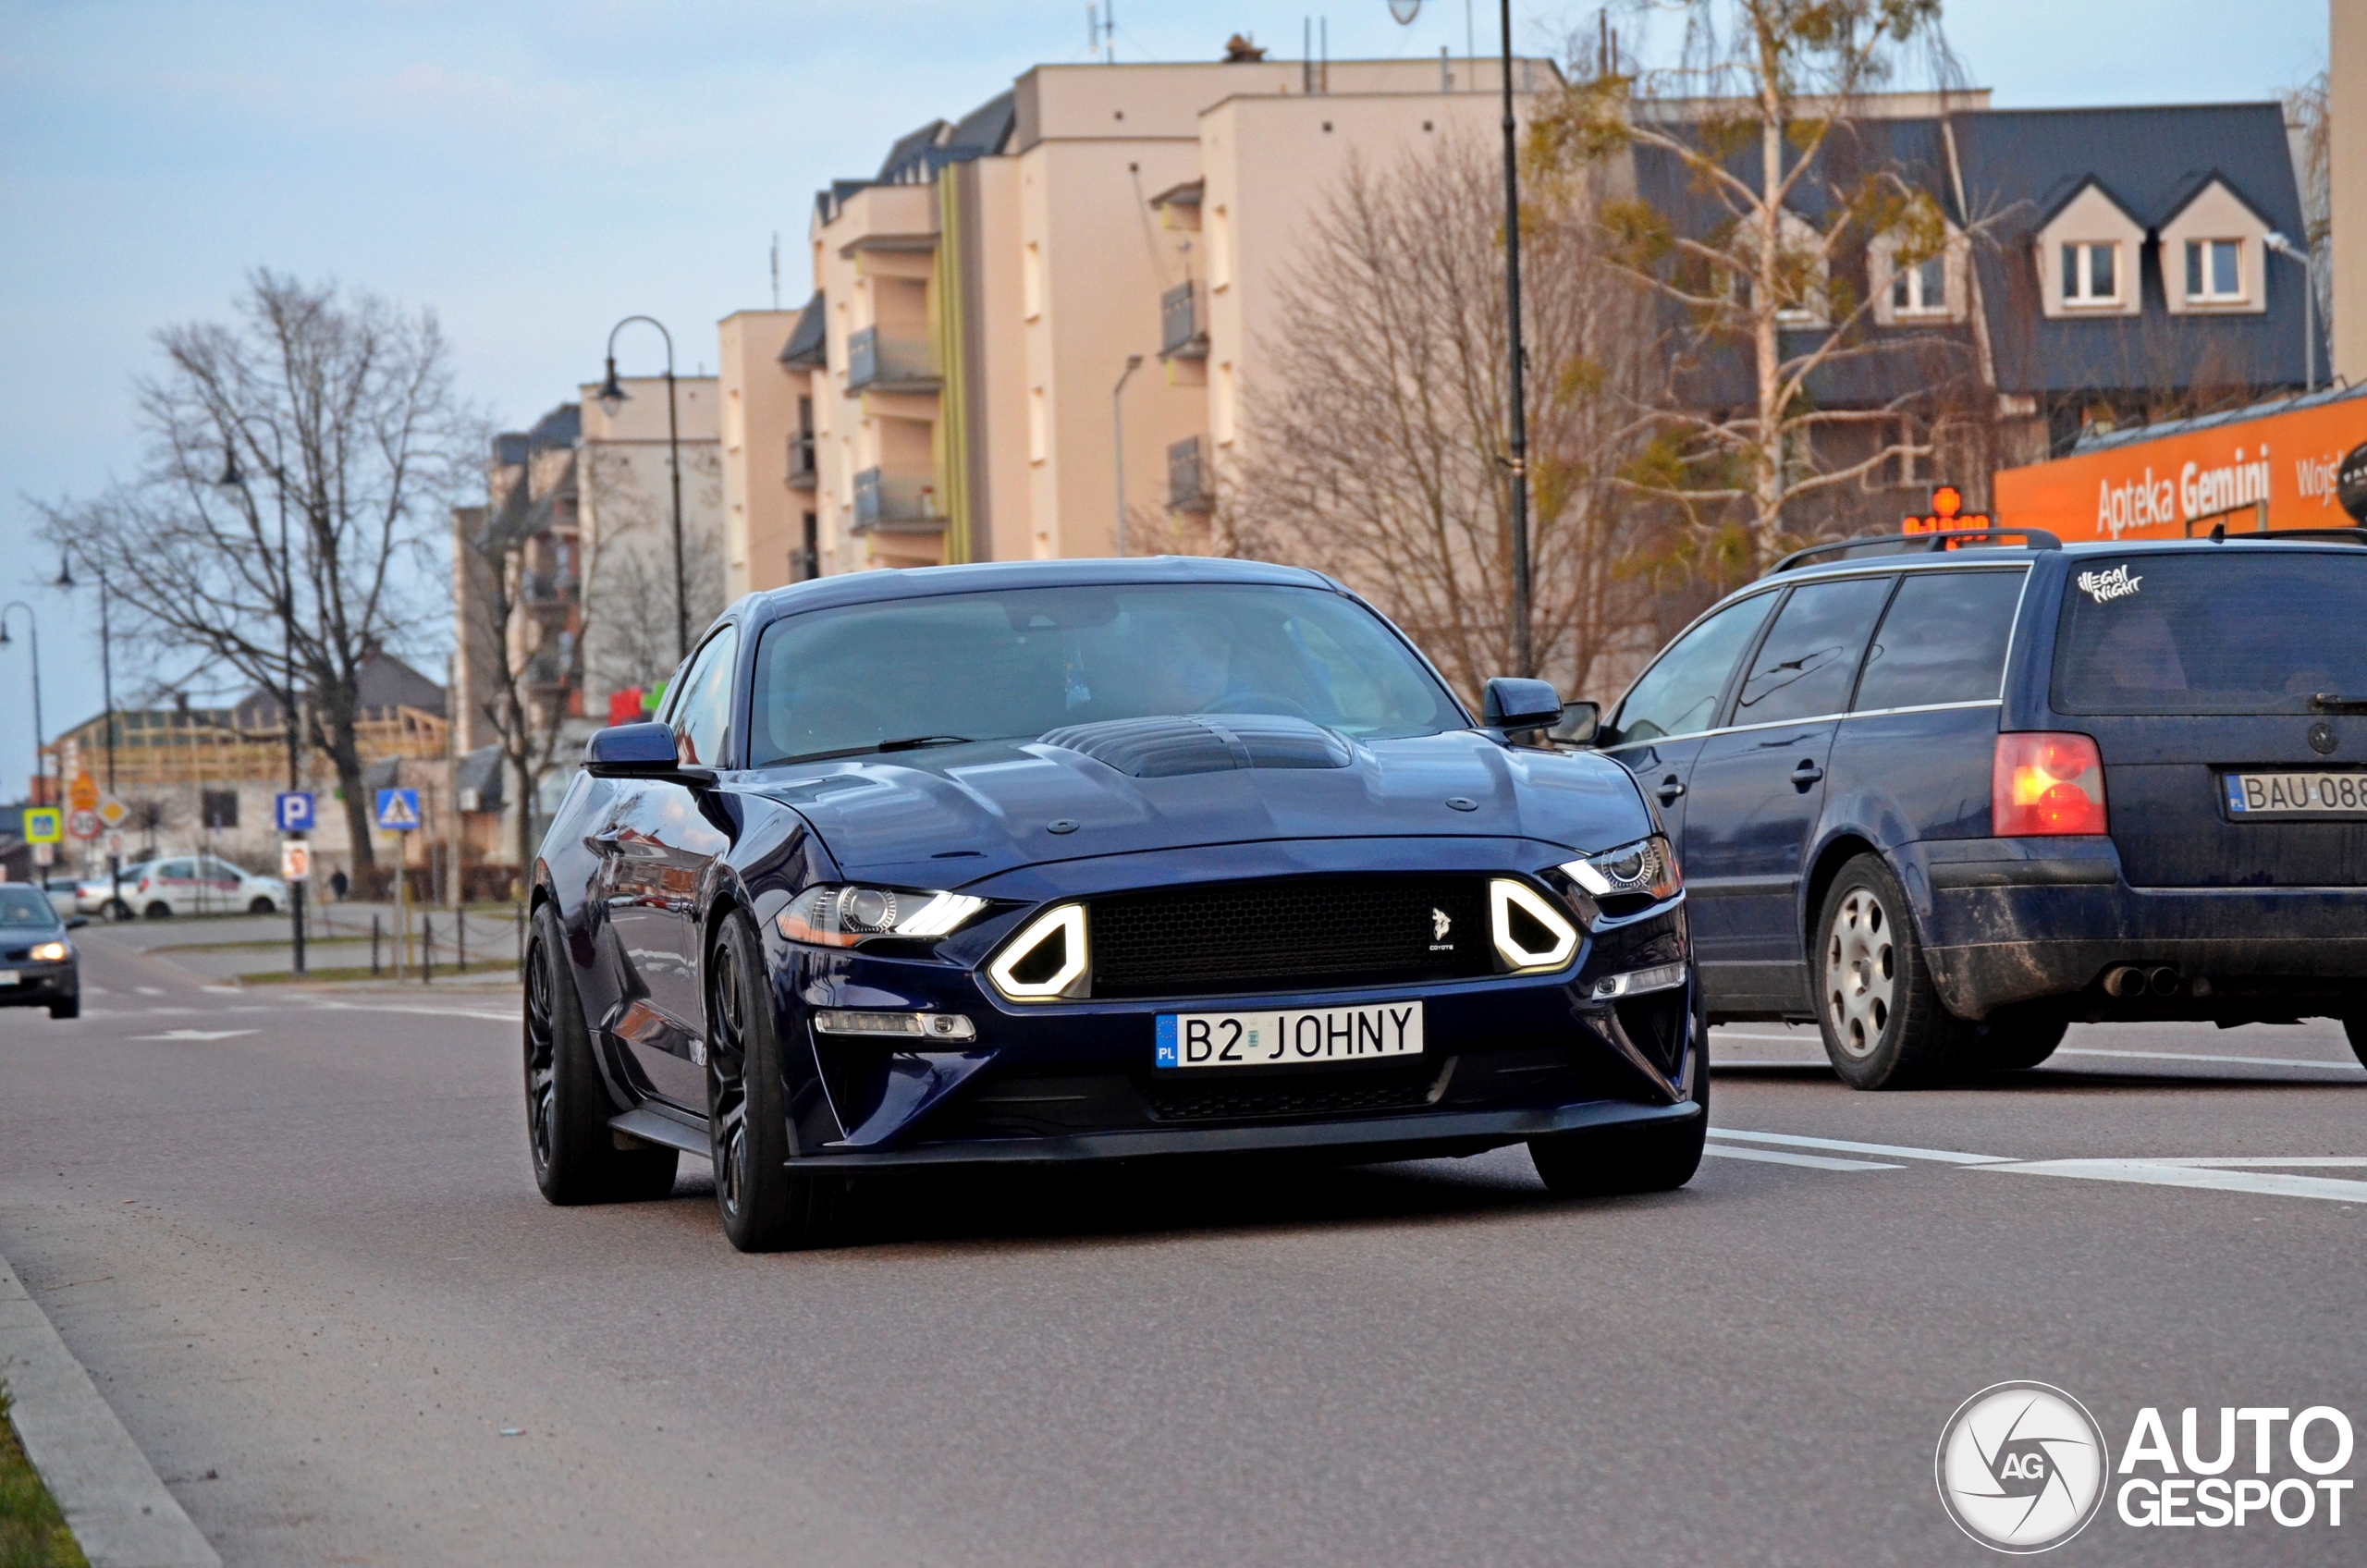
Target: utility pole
{"points": [[1523, 650]]}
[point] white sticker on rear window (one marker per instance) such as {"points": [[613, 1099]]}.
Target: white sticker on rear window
{"points": [[2103, 586]]}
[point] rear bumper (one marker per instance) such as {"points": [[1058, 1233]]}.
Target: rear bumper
{"points": [[2016, 920]]}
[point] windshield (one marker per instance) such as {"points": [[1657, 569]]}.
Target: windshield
{"points": [[2231, 632], [1013, 665], [25, 906]]}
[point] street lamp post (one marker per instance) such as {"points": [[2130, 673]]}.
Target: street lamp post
{"points": [[2292, 252], [1118, 430], [32, 624], [611, 393], [107, 682], [233, 478]]}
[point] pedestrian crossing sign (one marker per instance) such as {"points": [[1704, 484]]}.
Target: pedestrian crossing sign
{"points": [[45, 824], [397, 810]]}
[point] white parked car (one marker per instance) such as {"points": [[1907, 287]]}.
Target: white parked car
{"points": [[186, 884]]}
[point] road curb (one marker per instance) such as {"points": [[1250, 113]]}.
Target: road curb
{"points": [[111, 1499]]}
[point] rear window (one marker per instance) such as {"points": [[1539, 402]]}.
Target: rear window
{"points": [[2239, 630], [1942, 640]]}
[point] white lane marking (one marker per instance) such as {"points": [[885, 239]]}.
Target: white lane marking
{"points": [[196, 1034], [224, 990], [148, 990], [427, 1011], [2161, 1173], [1810, 1161], [2240, 1162], [1898, 1151], [1722, 1066], [2197, 1055]]}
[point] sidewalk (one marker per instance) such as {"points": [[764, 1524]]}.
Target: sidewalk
{"points": [[254, 949]]}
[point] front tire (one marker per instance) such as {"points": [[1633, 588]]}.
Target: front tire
{"points": [[2015, 1038], [69, 1007], [576, 1158], [1618, 1161], [2356, 1029], [767, 1202], [159, 910], [260, 906], [1884, 1026]]}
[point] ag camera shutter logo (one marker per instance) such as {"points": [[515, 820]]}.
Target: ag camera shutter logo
{"points": [[2022, 1467]]}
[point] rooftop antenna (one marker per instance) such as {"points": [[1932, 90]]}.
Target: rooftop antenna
{"points": [[775, 269], [1100, 25], [1307, 55]]}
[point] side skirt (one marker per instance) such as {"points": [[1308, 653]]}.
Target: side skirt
{"points": [[649, 1124]]}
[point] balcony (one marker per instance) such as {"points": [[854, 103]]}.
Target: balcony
{"points": [[879, 363], [546, 589], [1191, 485], [895, 504], [801, 461], [1182, 336]]}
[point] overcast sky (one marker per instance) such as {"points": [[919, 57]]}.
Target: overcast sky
{"points": [[536, 171]]}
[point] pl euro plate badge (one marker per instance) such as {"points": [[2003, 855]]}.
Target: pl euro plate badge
{"points": [[1289, 1038]]}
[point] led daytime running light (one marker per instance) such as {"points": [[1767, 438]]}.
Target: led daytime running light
{"points": [[1064, 925], [1503, 897], [839, 916], [1646, 867]]}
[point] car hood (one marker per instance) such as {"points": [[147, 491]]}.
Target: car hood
{"points": [[951, 815]]}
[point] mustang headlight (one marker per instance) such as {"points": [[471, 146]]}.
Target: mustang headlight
{"points": [[1528, 932], [1047, 961], [839, 915], [1646, 868], [48, 952]]}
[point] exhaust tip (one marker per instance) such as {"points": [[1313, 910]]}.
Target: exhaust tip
{"points": [[2124, 980], [2162, 980]]}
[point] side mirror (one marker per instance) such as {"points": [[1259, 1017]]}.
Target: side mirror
{"points": [[1579, 722], [1510, 704], [631, 751], [77, 922]]}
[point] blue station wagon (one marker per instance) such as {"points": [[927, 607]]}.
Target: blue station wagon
{"points": [[1946, 796]]}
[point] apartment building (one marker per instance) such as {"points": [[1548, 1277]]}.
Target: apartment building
{"points": [[1033, 331]]}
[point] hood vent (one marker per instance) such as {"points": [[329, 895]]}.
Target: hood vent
{"points": [[1168, 746]]}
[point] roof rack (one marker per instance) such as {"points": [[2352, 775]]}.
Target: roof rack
{"points": [[2032, 539], [2219, 535]]}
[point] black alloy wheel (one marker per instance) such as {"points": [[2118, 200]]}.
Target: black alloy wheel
{"points": [[767, 1202], [576, 1157]]}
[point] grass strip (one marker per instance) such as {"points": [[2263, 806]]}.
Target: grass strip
{"points": [[32, 1532]]}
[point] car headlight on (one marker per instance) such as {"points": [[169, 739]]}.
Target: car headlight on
{"points": [[1646, 868], [839, 915], [49, 952], [1047, 961], [1528, 932]]}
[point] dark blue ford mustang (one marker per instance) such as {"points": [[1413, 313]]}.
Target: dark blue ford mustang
{"points": [[1083, 861]]}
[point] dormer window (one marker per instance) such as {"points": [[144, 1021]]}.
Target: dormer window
{"points": [[2215, 271], [2092, 273], [1922, 290]]}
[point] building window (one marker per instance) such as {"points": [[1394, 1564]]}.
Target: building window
{"points": [[1039, 439], [2092, 273], [1921, 289], [805, 563], [2215, 269], [1031, 280]]}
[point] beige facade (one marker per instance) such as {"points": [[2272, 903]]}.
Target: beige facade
{"points": [[956, 396], [2346, 87]]}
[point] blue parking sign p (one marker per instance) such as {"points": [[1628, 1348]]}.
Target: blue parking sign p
{"points": [[399, 810], [294, 809]]}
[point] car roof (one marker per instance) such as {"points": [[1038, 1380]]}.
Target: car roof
{"points": [[917, 582], [2017, 555]]}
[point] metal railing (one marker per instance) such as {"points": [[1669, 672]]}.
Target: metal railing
{"points": [[1190, 486], [884, 500], [888, 362], [1180, 335]]}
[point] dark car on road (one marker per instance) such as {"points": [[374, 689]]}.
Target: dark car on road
{"points": [[38, 964], [1947, 802], [1086, 861]]}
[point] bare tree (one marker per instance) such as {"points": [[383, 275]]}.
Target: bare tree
{"points": [[633, 644], [1376, 448], [2308, 119], [1761, 284], [332, 409]]}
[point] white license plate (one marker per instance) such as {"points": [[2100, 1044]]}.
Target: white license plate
{"points": [[2283, 794], [9, 977], [1289, 1038]]}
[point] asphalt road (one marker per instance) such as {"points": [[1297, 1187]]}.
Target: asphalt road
{"points": [[300, 1250]]}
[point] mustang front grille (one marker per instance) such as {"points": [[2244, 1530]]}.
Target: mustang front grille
{"points": [[1302, 933]]}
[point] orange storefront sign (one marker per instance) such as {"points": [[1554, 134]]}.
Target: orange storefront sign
{"points": [[2276, 471]]}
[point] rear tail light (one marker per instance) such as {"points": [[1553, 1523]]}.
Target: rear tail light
{"points": [[2047, 784]]}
